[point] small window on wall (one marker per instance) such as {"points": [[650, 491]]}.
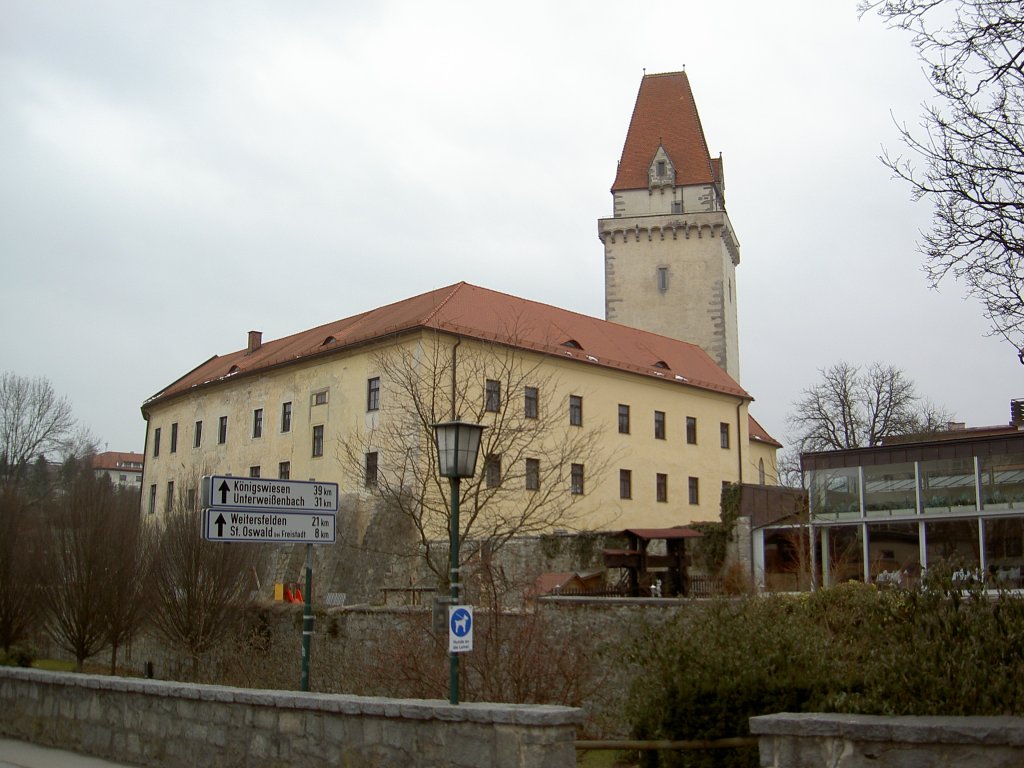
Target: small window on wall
{"points": [[694, 491], [174, 437], [286, 417], [152, 499], [531, 402], [661, 487], [691, 430], [492, 395], [320, 398], [257, 422], [723, 429], [659, 425], [625, 484], [284, 470], [156, 442], [677, 206], [373, 394], [623, 419], [662, 279], [197, 440], [576, 410], [576, 479], [169, 501], [222, 430], [492, 470], [533, 474], [370, 476], [254, 471], [318, 440]]}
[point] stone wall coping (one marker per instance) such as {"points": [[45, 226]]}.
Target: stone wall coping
{"points": [[368, 706], [915, 729]]}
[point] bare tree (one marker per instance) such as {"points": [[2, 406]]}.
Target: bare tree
{"points": [[198, 586], [34, 421], [856, 408], [19, 601], [127, 600], [522, 485], [967, 154], [78, 563]]}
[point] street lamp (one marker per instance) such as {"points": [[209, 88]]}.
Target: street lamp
{"points": [[458, 443]]}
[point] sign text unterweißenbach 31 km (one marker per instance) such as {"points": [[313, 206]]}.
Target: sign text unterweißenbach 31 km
{"points": [[223, 492]]}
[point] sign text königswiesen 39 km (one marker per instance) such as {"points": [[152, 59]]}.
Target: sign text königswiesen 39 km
{"points": [[226, 492], [265, 510]]}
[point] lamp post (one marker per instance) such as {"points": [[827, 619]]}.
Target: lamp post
{"points": [[458, 443]]}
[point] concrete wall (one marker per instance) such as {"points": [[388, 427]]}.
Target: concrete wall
{"points": [[173, 725], [849, 741]]}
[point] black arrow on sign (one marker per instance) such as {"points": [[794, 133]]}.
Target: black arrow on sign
{"points": [[219, 522], [224, 488]]}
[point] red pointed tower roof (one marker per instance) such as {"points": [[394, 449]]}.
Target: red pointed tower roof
{"points": [[666, 114]]}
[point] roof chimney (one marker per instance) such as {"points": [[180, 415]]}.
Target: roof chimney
{"points": [[1017, 413], [255, 341]]}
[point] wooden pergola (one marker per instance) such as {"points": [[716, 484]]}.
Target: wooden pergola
{"points": [[645, 569]]}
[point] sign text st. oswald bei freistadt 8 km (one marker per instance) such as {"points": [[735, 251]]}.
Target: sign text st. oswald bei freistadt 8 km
{"points": [[225, 492], [257, 525]]}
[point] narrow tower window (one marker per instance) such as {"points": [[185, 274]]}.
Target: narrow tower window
{"points": [[662, 279]]}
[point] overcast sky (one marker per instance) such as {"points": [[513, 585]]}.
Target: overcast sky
{"points": [[174, 174]]}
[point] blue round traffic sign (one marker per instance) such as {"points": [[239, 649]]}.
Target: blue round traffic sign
{"points": [[461, 622]]}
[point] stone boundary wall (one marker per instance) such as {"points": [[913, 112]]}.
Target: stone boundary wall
{"points": [[810, 740], [175, 725]]}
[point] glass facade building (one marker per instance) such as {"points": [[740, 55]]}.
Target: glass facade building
{"points": [[883, 514]]}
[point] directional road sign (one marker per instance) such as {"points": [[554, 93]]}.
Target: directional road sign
{"points": [[225, 492], [460, 628], [258, 525]]}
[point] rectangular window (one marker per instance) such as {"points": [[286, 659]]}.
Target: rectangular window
{"points": [[623, 419], [659, 425], [318, 440], [198, 435], [152, 499], [373, 394], [284, 470], [531, 402], [286, 417], [661, 487], [169, 501], [576, 410], [370, 476], [625, 484], [533, 474], [677, 206], [190, 499], [694, 491], [662, 279], [222, 430], [254, 471], [723, 429], [492, 470], [576, 479], [691, 430], [257, 422], [156, 442], [174, 437], [320, 398], [492, 395]]}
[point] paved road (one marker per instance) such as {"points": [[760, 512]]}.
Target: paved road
{"points": [[21, 754]]}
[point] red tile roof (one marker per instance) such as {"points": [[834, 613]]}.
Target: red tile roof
{"points": [[759, 433], [478, 313], [117, 460], [665, 113]]}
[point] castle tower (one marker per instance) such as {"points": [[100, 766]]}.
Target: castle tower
{"points": [[670, 253]]}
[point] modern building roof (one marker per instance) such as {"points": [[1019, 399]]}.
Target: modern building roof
{"points": [[473, 312], [665, 114]]}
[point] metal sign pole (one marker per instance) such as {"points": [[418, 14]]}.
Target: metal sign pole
{"points": [[307, 619]]}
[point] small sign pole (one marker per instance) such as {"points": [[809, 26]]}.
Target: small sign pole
{"points": [[307, 619]]}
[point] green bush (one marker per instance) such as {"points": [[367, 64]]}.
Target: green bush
{"points": [[16, 657], [946, 648]]}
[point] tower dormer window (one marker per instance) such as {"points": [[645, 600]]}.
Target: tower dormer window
{"points": [[661, 172]]}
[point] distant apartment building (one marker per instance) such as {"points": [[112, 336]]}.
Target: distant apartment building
{"points": [[123, 469]]}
